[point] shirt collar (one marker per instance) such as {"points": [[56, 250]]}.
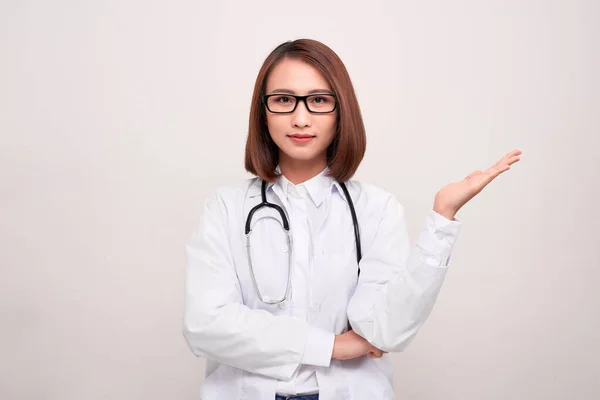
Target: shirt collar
{"points": [[317, 186]]}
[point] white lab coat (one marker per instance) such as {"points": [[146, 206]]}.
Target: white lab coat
{"points": [[250, 345]]}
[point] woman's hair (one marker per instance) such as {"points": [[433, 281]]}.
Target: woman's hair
{"points": [[348, 147]]}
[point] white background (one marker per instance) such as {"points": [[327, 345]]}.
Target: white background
{"points": [[117, 118]]}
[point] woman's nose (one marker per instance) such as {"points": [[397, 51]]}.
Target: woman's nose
{"points": [[301, 115]]}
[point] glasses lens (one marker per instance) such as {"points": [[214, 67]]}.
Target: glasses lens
{"points": [[321, 103], [281, 103]]}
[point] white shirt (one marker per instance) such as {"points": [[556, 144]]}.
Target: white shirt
{"points": [[256, 350], [306, 215]]}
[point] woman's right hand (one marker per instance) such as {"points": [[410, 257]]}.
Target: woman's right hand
{"points": [[350, 345]]}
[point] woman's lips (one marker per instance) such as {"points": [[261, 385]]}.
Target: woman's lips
{"points": [[301, 139]]}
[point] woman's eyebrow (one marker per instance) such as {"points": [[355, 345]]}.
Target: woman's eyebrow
{"points": [[288, 91]]}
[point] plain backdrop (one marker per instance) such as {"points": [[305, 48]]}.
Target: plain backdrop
{"points": [[117, 119]]}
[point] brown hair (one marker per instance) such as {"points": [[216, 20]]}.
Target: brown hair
{"points": [[348, 147]]}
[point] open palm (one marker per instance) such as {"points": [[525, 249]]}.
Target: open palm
{"points": [[452, 197]]}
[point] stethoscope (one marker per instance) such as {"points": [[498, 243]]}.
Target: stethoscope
{"points": [[286, 227]]}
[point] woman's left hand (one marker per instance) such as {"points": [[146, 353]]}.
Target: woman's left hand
{"points": [[452, 197]]}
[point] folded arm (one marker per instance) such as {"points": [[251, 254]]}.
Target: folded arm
{"points": [[219, 326]]}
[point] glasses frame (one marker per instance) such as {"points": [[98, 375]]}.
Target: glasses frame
{"points": [[265, 99]]}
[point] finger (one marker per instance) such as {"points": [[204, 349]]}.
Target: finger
{"points": [[498, 169], [507, 161], [513, 160], [509, 158], [502, 166], [516, 152], [513, 153], [494, 171], [376, 352]]}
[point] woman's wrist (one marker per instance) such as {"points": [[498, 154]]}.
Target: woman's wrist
{"points": [[336, 346], [445, 212]]}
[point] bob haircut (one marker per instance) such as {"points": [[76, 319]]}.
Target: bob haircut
{"points": [[347, 150]]}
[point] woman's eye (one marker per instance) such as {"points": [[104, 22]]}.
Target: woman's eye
{"points": [[319, 100], [283, 99]]}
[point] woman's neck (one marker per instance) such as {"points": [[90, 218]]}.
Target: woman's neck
{"points": [[298, 171]]}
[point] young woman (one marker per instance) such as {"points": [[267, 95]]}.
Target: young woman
{"points": [[300, 280]]}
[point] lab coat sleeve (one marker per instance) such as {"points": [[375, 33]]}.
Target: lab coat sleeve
{"points": [[398, 286], [217, 325]]}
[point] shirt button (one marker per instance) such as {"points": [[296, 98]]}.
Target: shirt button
{"points": [[284, 304], [284, 249]]}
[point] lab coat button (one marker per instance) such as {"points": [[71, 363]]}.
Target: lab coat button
{"points": [[284, 249]]}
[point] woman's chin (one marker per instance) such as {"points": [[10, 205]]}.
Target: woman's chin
{"points": [[303, 155]]}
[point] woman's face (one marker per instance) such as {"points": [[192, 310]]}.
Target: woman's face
{"points": [[292, 76]]}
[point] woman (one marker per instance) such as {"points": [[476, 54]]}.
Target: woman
{"points": [[271, 311]]}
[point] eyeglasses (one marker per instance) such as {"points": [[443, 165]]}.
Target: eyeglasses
{"points": [[287, 103]]}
